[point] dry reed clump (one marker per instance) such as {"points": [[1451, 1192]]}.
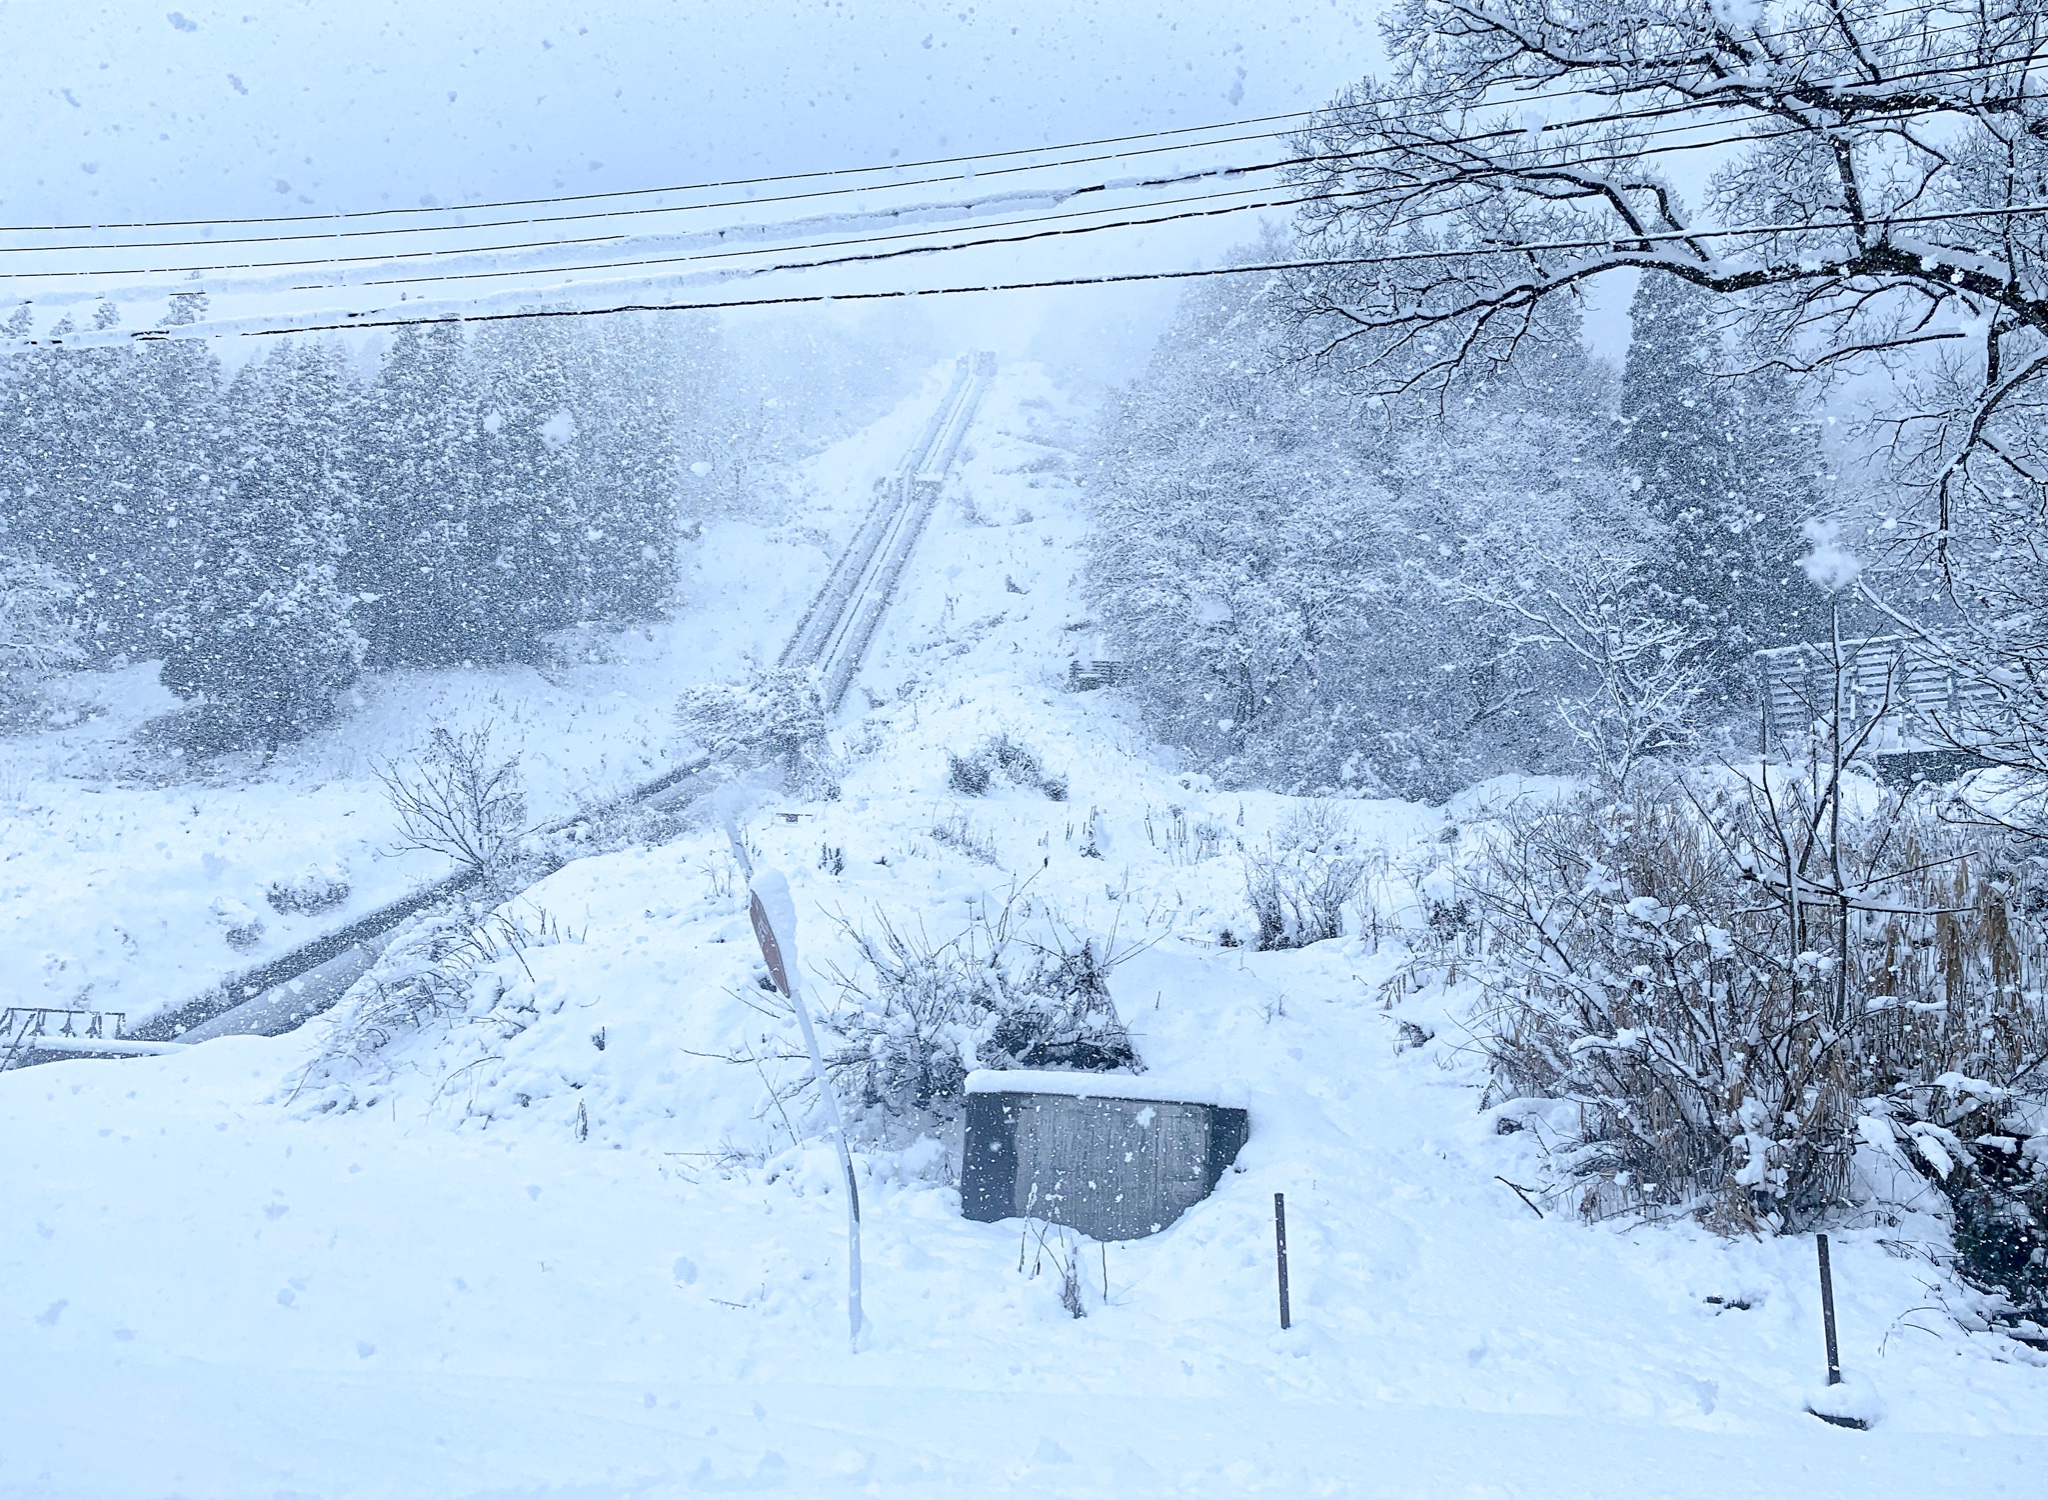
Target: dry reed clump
{"points": [[1737, 983], [438, 968], [1300, 880], [1017, 988]]}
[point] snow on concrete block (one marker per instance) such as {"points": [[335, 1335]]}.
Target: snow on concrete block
{"points": [[1114, 1156], [1167, 1089]]}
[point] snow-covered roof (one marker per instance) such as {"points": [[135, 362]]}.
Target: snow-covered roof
{"points": [[1151, 1086]]}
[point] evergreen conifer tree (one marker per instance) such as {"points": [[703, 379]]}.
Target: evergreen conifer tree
{"points": [[261, 629], [70, 482], [1725, 469], [421, 564]]}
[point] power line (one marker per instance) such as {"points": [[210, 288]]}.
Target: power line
{"points": [[365, 322], [625, 193], [331, 236], [399, 257], [713, 185], [1504, 132], [1294, 202], [623, 213]]}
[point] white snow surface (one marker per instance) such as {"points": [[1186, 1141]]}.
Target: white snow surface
{"points": [[591, 1258]]}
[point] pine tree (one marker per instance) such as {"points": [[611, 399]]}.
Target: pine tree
{"points": [[102, 451], [173, 395], [261, 629], [70, 483], [420, 567], [529, 519], [627, 416], [1726, 469]]}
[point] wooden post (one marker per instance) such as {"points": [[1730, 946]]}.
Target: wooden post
{"points": [[1827, 1311], [1280, 1244]]}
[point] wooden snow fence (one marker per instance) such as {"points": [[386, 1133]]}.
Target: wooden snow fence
{"points": [[1114, 1156]]}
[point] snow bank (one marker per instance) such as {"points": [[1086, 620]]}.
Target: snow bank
{"points": [[1853, 1403]]}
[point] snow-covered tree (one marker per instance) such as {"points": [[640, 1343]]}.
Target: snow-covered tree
{"points": [[261, 627], [1272, 555], [37, 633], [1636, 666], [418, 568], [1727, 469], [1778, 156]]}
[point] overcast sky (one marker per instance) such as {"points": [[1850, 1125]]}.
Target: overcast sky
{"points": [[186, 109], [196, 110]]}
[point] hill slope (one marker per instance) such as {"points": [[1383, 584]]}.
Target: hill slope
{"points": [[479, 1260]]}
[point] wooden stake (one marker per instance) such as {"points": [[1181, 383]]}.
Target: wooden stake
{"points": [[1827, 1310], [1280, 1244]]}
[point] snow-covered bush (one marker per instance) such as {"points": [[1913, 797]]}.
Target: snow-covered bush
{"points": [[967, 775], [775, 717], [1300, 880], [1014, 990], [461, 797], [442, 966], [36, 633], [972, 775], [307, 895], [1733, 989]]}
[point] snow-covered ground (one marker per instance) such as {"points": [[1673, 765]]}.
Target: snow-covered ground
{"points": [[594, 1259], [122, 871]]}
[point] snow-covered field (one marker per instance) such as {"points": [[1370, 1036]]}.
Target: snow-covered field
{"points": [[593, 1259], [122, 871]]}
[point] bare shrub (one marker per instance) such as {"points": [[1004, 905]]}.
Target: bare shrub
{"points": [[1059, 1245], [957, 833], [1185, 843], [1639, 668], [435, 970], [459, 798], [1300, 880]]}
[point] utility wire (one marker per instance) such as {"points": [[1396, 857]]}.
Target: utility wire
{"points": [[999, 239], [331, 236], [401, 257], [370, 321]]}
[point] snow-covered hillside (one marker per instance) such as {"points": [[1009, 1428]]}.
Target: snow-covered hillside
{"points": [[593, 1257], [122, 869]]}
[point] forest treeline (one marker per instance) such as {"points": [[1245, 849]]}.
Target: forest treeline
{"points": [[455, 497], [1315, 588]]}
